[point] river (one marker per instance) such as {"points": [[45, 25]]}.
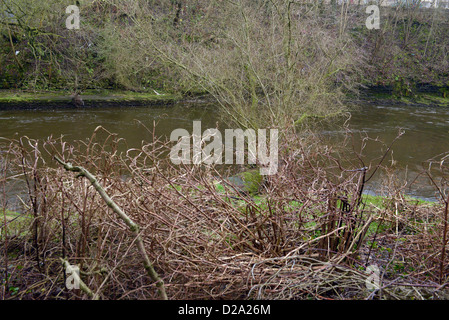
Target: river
{"points": [[426, 131]]}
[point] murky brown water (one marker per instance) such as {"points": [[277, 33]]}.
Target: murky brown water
{"points": [[426, 130], [426, 135]]}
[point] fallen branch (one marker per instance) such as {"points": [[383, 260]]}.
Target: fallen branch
{"points": [[132, 226], [75, 275]]}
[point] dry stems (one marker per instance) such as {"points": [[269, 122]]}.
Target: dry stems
{"points": [[308, 235]]}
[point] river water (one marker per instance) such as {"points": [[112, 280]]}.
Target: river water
{"points": [[426, 131]]}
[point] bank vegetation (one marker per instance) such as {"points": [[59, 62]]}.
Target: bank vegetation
{"points": [[139, 227], [267, 62]]}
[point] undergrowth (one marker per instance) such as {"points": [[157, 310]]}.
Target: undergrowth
{"points": [[307, 232]]}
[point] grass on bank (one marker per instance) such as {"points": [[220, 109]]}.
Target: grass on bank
{"points": [[117, 95], [18, 96], [16, 224], [427, 99], [376, 202], [420, 98]]}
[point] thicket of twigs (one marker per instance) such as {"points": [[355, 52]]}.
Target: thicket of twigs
{"points": [[309, 234], [265, 61]]}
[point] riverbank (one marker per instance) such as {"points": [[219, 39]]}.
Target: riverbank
{"points": [[18, 99], [285, 238], [431, 96]]}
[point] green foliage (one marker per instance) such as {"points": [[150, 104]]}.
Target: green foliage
{"points": [[288, 70], [16, 223], [252, 180]]}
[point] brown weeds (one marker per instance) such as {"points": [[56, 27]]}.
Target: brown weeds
{"points": [[309, 233]]}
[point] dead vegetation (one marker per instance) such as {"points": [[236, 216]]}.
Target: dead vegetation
{"points": [[309, 234]]}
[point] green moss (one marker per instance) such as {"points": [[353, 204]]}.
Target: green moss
{"points": [[219, 187], [20, 96], [131, 95], [427, 99], [420, 201], [377, 201], [252, 181], [438, 99], [11, 96], [16, 223], [382, 202]]}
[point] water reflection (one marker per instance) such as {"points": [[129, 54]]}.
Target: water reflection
{"points": [[426, 130]]}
